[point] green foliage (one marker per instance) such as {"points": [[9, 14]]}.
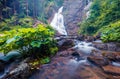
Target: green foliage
{"points": [[111, 33], [45, 60], [16, 22], [37, 62], [102, 13], [29, 41], [39, 9], [26, 22]]}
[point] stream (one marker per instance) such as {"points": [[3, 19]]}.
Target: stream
{"points": [[69, 66], [71, 63]]}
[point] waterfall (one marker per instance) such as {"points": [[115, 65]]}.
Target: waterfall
{"points": [[58, 22], [87, 8]]}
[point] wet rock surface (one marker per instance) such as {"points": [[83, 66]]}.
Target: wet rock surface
{"points": [[111, 70], [73, 14], [98, 60], [18, 70], [81, 61], [65, 44], [108, 62], [107, 46], [74, 63], [2, 65]]}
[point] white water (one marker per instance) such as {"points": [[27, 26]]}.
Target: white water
{"points": [[87, 9], [116, 64], [58, 22], [84, 47]]}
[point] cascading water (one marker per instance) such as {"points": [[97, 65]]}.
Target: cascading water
{"points": [[58, 22], [89, 3]]}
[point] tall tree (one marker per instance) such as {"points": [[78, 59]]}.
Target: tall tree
{"points": [[1, 7]]}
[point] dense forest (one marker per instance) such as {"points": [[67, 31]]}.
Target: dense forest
{"points": [[104, 18], [22, 12]]}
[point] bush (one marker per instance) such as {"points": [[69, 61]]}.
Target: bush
{"points": [[26, 22], [102, 13], [111, 33], [29, 41]]}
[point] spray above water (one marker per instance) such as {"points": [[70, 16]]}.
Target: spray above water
{"points": [[58, 22]]}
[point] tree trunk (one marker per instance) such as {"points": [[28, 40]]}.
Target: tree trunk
{"points": [[0, 14], [5, 8], [33, 9], [14, 10], [27, 8]]}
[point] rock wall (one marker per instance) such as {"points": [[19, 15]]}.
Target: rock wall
{"points": [[73, 14]]}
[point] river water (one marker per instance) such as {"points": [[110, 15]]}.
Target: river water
{"points": [[67, 66]]}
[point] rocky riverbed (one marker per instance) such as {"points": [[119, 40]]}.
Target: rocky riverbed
{"points": [[74, 60], [81, 62]]}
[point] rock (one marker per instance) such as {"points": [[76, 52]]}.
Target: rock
{"points": [[22, 71], [65, 44], [114, 56], [80, 37], [111, 69], [92, 73], [99, 61], [2, 65], [118, 47], [101, 46], [107, 46], [66, 53], [75, 54], [111, 47], [89, 39], [73, 14], [10, 55], [98, 35]]}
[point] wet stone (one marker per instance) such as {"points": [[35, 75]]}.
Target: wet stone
{"points": [[111, 69], [99, 61], [2, 65]]}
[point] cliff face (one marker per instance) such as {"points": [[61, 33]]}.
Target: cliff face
{"points": [[74, 12]]}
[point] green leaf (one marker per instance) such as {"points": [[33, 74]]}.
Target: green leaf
{"points": [[35, 43]]}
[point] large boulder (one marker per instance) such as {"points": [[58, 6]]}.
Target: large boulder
{"points": [[65, 44], [22, 71], [2, 65], [114, 56], [107, 46], [111, 69], [101, 46], [111, 46], [99, 61]]}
